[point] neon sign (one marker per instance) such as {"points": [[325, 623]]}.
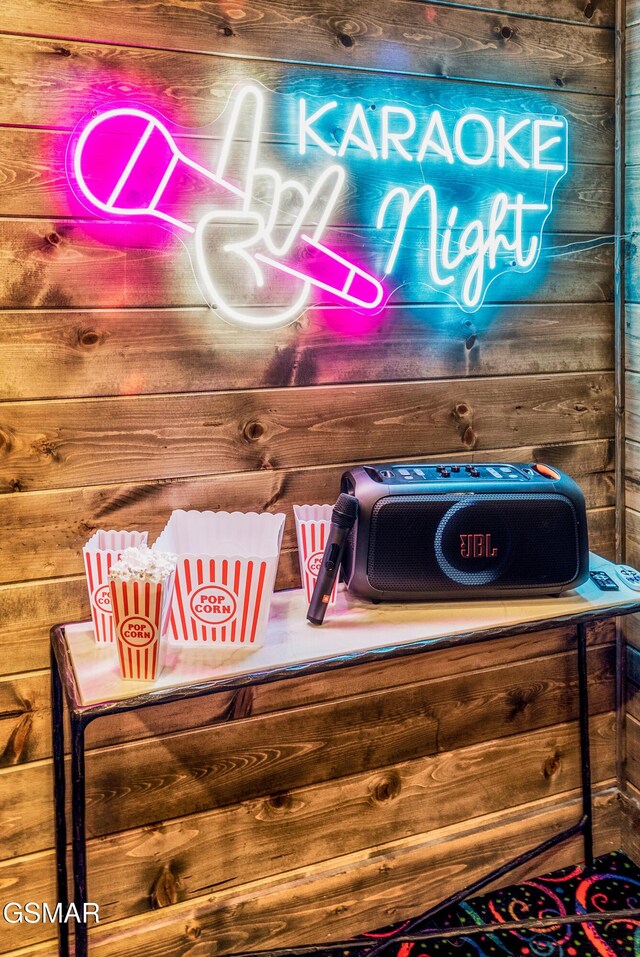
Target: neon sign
{"points": [[265, 235]]}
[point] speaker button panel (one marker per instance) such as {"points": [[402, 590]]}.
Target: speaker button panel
{"points": [[477, 473]]}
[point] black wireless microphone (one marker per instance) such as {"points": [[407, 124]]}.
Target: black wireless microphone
{"points": [[343, 518]]}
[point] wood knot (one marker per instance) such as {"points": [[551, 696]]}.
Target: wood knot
{"points": [[519, 700], [253, 431], [193, 931], [5, 442], [88, 337], [345, 40], [469, 437], [166, 889], [506, 33], [470, 342], [388, 789], [559, 81], [15, 750], [461, 410], [53, 238], [226, 31], [46, 448], [62, 51], [589, 11], [280, 802], [552, 765]]}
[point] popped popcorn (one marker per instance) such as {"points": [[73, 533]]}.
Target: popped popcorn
{"points": [[143, 564]]}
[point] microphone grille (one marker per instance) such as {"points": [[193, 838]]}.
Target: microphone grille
{"points": [[345, 511]]}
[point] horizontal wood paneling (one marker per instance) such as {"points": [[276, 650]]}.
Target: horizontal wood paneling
{"points": [[632, 137], [61, 264], [632, 390], [124, 398], [215, 851], [54, 525], [632, 475], [71, 442], [422, 38], [630, 821], [632, 184], [358, 891], [27, 611], [631, 627], [632, 339], [601, 13], [633, 696], [46, 84], [633, 749], [602, 532], [632, 42], [388, 886], [632, 523], [194, 771], [70, 354]]}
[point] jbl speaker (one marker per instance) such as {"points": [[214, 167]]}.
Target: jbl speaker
{"points": [[456, 531]]}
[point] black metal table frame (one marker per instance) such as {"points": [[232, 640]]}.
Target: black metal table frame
{"points": [[64, 686]]}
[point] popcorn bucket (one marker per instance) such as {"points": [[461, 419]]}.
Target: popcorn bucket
{"points": [[226, 572], [140, 611], [312, 531], [100, 552]]}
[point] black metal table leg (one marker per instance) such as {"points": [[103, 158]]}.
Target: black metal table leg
{"points": [[59, 797], [78, 725], [585, 751]]}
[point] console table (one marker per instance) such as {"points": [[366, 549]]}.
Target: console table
{"points": [[87, 678]]}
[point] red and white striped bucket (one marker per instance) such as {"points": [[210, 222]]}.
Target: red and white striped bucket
{"points": [[140, 617], [312, 531], [222, 599], [101, 551]]}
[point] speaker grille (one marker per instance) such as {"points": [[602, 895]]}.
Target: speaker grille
{"points": [[457, 542]]}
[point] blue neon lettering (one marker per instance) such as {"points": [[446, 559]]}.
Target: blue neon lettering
{"points": [[305, 127], [396, 137], [365, 142]]}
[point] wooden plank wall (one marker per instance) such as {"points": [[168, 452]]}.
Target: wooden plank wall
{"points": [[122, 398], [632, 421]]}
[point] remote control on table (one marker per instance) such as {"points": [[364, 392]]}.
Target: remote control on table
{"points": [[630, 576], [604, 582]]}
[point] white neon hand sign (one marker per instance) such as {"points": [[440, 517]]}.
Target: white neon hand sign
{"points": [[133, 181]]}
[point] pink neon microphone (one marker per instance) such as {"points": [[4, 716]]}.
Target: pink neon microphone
{"points": [[126, 163]]}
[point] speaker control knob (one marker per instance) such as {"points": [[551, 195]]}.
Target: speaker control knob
{"points": [[547, 471]]}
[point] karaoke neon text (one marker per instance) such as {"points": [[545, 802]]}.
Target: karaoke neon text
{"points": [[461, 197]]}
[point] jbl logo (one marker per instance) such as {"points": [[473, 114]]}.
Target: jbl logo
{"points": [[477, 546]]}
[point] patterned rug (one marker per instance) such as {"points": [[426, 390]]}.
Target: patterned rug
{"points": [[614, 885]]}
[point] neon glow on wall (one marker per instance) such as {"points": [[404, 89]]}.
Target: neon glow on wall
{"points": [[452, 200]]}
